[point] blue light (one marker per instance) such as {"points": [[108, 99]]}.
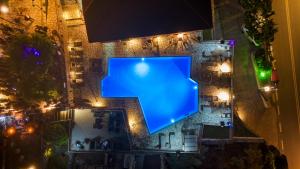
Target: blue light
{"points": [[163, 86], [141, 69]]}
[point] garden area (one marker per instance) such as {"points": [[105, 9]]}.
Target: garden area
{"points": [[261, 30], [229, 156], [32, 77]]}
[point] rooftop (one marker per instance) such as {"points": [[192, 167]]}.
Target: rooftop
{"points": [[140, 18], [95, 130]]}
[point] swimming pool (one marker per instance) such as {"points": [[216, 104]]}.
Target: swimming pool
{"points": [[163, 86]]}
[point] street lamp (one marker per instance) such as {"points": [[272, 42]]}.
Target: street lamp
{"points": [[4, 9]]}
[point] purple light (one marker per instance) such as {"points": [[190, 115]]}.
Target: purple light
{"points": [[31, 51], [35, 52], [231, 43]]}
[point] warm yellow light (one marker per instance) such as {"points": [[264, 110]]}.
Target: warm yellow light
{"points": [[48, 152], [30, 130], [133, 42], [241, 115], [18, 116], [32, 167], [223, 96], [78, 13], [267, 88], [98, 104], [70, 47], [45, 108], [4, 9], [2, 96], [225, 67], [72, 75], [66, 15], [11, 131], [50, 107], [158, 38], [132, 124], [180, 35]]}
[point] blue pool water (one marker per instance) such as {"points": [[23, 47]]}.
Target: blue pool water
{"points": [[163, 86]]}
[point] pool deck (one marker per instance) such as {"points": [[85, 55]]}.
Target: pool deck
{"points": [[205, 61]]}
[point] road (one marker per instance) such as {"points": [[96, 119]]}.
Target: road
{"points": [[287, 53], [278, 125]]}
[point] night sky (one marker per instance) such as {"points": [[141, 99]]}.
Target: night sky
{"points": [[110, 20]]}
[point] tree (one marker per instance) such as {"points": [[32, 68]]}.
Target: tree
{"points": [[236, 162], [56, 162], [29, 70], [281, 162], [253, 158], [56, 135], [258, 20]]}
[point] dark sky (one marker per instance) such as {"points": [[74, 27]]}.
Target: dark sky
{"points": [[109, 20]]}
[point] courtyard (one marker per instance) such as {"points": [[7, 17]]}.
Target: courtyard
{"points": [[211, 69]]}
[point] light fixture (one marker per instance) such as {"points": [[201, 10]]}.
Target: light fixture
{"points": [[132, 124], [66, 15], [98, 104], [172, 120], [262, 74], [133, 42], [158, 38], [32, 167], [11, 131], [30, 130], [223, 96], [225, 67], [4, 9], [180, 35], [141, 69], [267, 88], [2, 96], [45, 107]]}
